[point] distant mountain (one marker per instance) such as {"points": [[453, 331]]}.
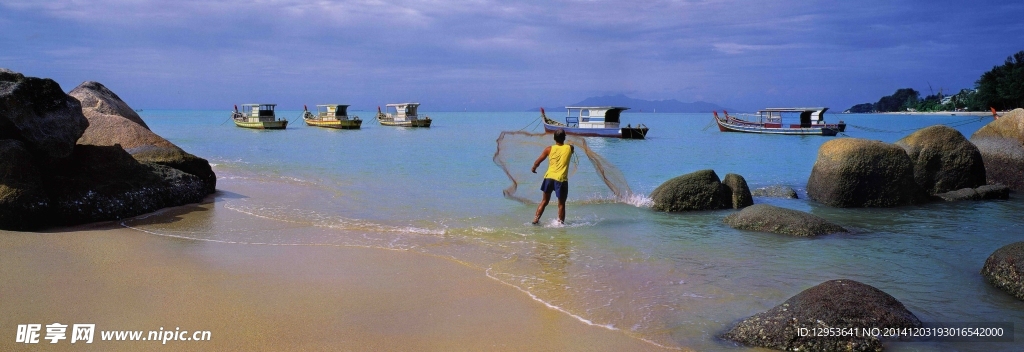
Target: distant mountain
{"points": [[640, 105]]}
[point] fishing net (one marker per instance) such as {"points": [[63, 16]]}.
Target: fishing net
{"points": [[590, 179]]}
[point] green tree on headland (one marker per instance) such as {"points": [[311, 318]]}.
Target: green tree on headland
{"points": [[1003, 86]]}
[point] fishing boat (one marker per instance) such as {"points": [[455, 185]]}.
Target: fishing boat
{"points": [[594, 121], [331, 116], [259, 116], [809, 121], [402, 115]]}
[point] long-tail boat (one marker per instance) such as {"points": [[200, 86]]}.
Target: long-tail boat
{"points": [[805, 121], [594, 121]]}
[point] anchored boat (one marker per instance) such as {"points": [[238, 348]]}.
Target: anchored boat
{"points": [[259, 116], [810, 121], [402, 115], [594, 121], [331, 116]]}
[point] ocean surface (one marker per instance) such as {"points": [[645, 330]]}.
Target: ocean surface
{"points": [[674, 280]]}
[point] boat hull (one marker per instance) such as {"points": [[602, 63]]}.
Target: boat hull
{"points": [[336, 124], [386, 121], [263, 125], [736, 125], [624, 132]]}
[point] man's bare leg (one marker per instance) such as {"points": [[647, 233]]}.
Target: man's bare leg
{"points": [[561, 210], [540, 208]]}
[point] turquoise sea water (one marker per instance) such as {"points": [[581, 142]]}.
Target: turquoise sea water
{"points": [[675, 280]]}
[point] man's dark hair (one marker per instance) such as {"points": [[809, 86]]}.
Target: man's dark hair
{"points": [[560, 136]]}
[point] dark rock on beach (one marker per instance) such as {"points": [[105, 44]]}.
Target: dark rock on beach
{"points": [[1005, 269], [769, 218], [740, 192], [776, 191], [700, 190], [37, 112], [832, 304], [46, 179], [22, 199], [1001, 143], [112, 122], [943, 159], [106, 183], [853, 172]]}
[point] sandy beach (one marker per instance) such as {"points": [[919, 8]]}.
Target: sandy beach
{"points": [[263, 297]]}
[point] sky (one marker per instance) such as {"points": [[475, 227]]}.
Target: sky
{"points": [[493, 55]]}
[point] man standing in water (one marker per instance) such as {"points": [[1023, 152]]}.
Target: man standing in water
{"points": [[557, 178]]}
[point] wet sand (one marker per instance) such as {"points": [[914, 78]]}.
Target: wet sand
{"points": [[263, 297]]}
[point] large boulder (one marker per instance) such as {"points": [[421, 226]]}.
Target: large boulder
{"points": [[47, 180], [112, 122], [106, 183], [776, 191], [740, 192], [701, 190], [844, 304], [1001, 143], [943, 159], [769, 218], [853, 172], [1005, 269], [37, 112], [22, 198], [96, 97]]}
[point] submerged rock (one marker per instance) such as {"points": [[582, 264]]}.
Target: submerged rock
{"points": [[852, 172], [740, 192], [769, 218], [37, 112], [959, 195], [943, 159], [1001, 143], [700, 190], [832, 304], [113, 122], [993, 192], [1004, 269], [776, 191]]}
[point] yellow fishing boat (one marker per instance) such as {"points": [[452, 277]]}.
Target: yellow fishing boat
{"points": [[331, 116], [258, 116], [402, 115]]}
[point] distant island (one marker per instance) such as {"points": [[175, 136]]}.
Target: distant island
{"points": [[640, 105]]}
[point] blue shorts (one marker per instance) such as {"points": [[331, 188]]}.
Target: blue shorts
{"points": [[561, 189]]}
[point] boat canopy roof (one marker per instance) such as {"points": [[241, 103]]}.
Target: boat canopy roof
{"points": [[403, 104], [820, 108], [595, 113], [598, 107], [261, 106], [333, 109]]}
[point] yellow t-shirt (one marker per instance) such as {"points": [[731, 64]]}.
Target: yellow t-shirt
{"points": [[558, 163]]}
